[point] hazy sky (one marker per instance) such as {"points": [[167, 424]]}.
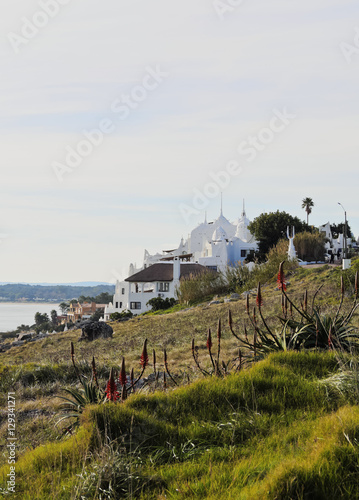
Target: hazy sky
{"points": [[180, 89]]}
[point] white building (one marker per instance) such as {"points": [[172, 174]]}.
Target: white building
{"points": [[158, 280], [334, 244], [212, 245]]}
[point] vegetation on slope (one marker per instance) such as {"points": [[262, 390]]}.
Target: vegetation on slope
{"points": [[284, 428]]}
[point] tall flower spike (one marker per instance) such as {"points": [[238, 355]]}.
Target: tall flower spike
{"points": [[94, 371], [281, 279], [305, 300], [144, 356], [219, 331], [209, 340], [154, 361], [247, 304], [111, 390], [254, 315], [259, 300], [123, 377]]}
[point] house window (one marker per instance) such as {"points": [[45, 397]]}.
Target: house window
{"points": [[116, 305], [213, 268], [243, 253], [120, 305], [123, 291], [135, 305], [164, 287]]}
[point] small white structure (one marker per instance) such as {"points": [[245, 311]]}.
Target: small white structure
{"points": [[292, 254]]}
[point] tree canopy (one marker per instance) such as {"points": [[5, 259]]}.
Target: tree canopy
{"points": [[337, 229], [308, 204], [269, 228]]}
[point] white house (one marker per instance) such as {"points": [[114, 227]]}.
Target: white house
{"points": [[158, 280], [212, 245], [334, 244]]}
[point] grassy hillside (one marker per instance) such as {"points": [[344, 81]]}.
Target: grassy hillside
{"points": [[284, 427]]}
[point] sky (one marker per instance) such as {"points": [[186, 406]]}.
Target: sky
{"points": [[122, 121]]}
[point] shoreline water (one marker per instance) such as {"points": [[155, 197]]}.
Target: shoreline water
{"points": [[14, 314]]}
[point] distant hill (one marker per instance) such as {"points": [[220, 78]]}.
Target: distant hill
{"points": [[14, 292]]}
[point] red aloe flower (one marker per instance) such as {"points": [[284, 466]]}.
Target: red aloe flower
{"points": [[123, 377], [144, 356], [111, 389], [281, 279], [209, 340], [259, 300]]}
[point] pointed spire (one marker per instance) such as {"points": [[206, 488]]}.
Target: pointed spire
{"points": [[244, 210], [205, 217]]}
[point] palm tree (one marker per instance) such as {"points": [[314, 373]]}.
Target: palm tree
{"points": [[307, 204]]}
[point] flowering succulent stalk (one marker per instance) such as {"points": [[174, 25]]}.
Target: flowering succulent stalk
{"points": [[259, 300], [209, 340], [219, 335], [111, 390], [230, 324], [73, 362], [132, 379], [144, 356], [195, 357], [143, 360], [166, 366], [209, 347], [247, 304], [154, 361], [94, 372], [124, 393], [280, 278], [240, 359], [123, 377]]}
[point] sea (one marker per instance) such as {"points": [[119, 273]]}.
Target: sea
{"points": [[14, 314]]}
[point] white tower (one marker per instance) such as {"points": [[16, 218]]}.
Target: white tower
{"points": [[292, 254]]}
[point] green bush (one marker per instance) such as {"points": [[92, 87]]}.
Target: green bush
{"points": [[160, 304], [200, 287]]}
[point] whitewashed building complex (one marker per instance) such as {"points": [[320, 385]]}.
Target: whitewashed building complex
{"points": [[211, 245]]}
